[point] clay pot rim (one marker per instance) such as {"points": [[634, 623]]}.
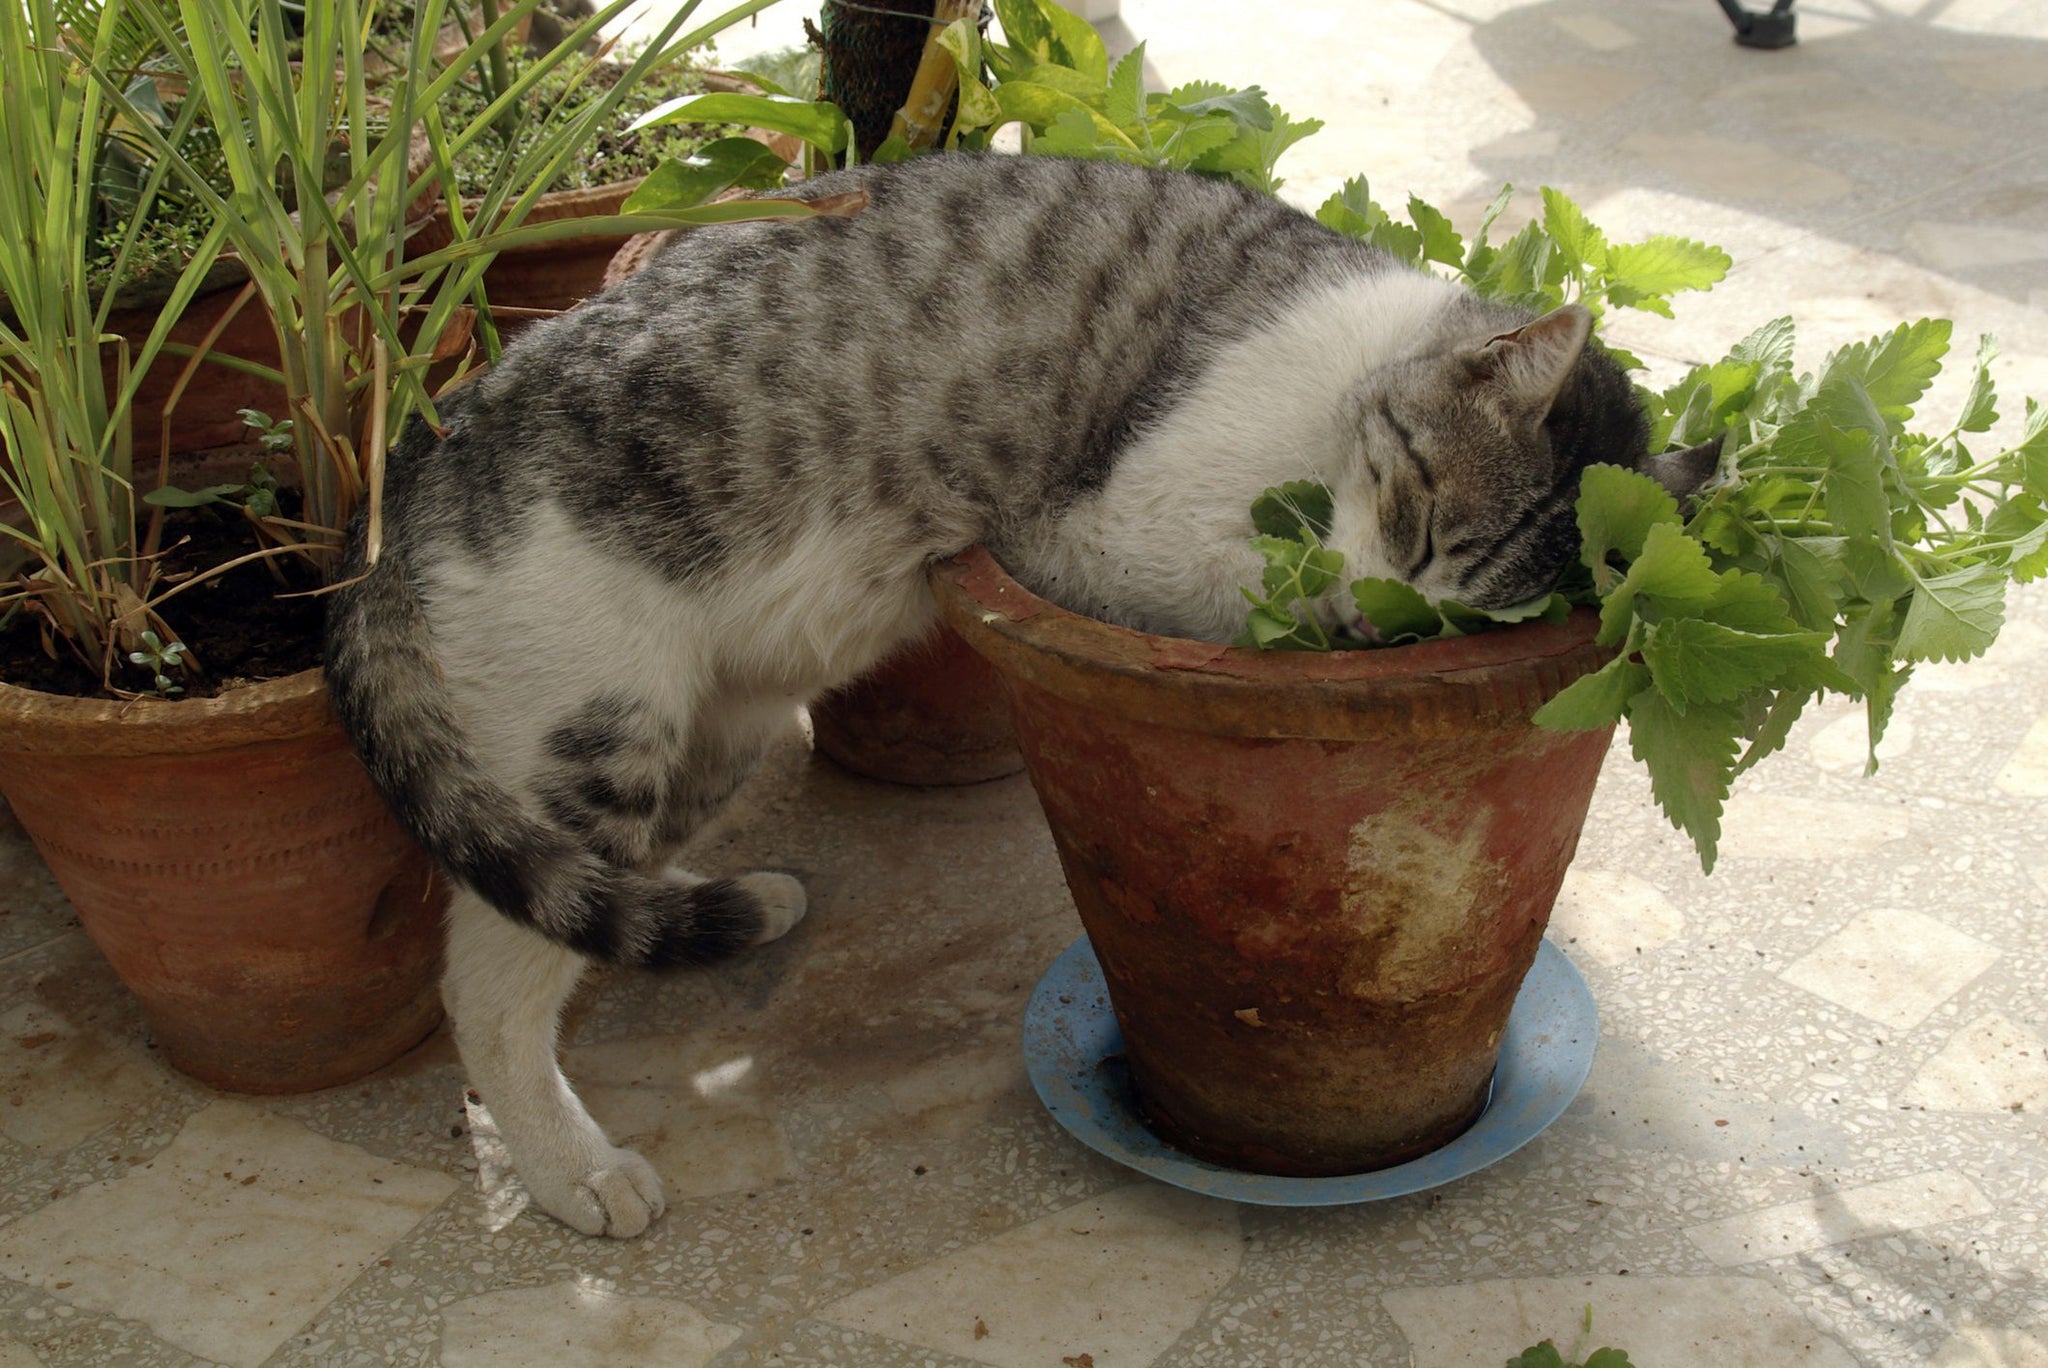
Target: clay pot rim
{"points": [[36, 723], [1240, 691]]}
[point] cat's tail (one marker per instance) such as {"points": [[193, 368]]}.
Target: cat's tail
{"points": [[387, 689]]}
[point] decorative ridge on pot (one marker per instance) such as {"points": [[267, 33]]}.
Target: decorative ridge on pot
{"points": [[1314, 882], [1228, 690], [34, 723]]}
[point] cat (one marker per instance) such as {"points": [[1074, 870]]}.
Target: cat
{"points": [[710, 493]]}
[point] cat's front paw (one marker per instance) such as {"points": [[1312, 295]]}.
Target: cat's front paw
{"points": [[619, 1198], [782, 903]]}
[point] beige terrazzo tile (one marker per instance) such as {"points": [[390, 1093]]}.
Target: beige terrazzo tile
{"points": [[1857, 1213], [227, 1240], [19, 1356], [1952, 246], [1656, 1320], [81, 1079], [1118, 1278], [1843, 745], [1984, 1346], [1770, 826], [1613, 916], [583, 1323], [1992, 1064], [2025, 775], [693, 1108], [1892, 965]]}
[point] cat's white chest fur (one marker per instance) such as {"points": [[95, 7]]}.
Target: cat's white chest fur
{"points": [[1163, 545]]}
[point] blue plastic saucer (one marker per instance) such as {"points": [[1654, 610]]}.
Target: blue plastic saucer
{"points": [[1074, 1052]]}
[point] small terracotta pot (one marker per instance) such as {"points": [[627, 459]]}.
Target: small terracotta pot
{"points": [[1315, 882], [233, 863], [933, 715]]}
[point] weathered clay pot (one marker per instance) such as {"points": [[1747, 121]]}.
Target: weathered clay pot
{"points": [[232, 861], [1314, 882], [932, 715], [553, 275]]}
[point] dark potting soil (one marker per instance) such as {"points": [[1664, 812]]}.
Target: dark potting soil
{"points": [[236, 625]]}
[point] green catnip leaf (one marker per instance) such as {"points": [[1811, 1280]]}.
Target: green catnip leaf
{"points": [[1896, 368], [1595, 700], [1980, 408], [1954, 616], [1440, 241], [1691, 758], [1583, 245], [1642, 272], [1284, 510], [1395, 611], [1124, 102], [1696, 661]]}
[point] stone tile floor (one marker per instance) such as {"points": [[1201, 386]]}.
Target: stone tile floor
{"points": [[1813, 1133]]}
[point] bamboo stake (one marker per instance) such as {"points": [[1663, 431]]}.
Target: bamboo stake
{"points": [[923, 116]]}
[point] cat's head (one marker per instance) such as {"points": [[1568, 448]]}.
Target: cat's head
{"points": [[1465, 458]]}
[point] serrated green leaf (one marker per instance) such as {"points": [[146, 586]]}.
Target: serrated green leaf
{"points": [[1544, 1355], [1124, 101], [1270, 626], [1608, 1358], [1769, 348], [1672, 574], [2028, 459], [1581, 242], [1249, 106], [1749, 603], [1595, 700], [1284, 510], [1397, 240], [1493, 212], [1955, 616], [1440, 241], [1894, 369], [1811, 571], [1697, 661], [1662, 266], [1771, 734], [1075, 134], [1394, 611], [1616, 510], [1980, 408], [1691, 759]]}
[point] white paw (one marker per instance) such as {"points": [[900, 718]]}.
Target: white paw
{"points": [[621, 1198], [782, 903]]}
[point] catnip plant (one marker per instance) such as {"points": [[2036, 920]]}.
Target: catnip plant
{"points": [[1838, 548]]}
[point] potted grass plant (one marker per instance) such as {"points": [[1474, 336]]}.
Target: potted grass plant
{"points": [[226, 851]]}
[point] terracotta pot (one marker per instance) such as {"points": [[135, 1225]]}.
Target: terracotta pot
{"points": [[932, 715], [232, 861], [555, 275], [1314, 882]]}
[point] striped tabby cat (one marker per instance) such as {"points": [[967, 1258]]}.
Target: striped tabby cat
{"points": [[711, 493]]}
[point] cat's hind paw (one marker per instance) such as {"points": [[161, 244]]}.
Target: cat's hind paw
{"points": [[620, 1198], [782, 903]]}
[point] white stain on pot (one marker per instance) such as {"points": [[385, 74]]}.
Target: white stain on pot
{"points": [[1417, 902]]}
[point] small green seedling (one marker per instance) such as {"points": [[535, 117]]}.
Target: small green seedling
{"points": [[1547, 1354], [159, 659]]}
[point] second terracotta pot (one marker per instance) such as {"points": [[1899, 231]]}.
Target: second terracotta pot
{"points": [[232, 861]]}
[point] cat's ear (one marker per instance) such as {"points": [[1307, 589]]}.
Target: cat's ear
{"points": [[1532, 363], [1685, 472]]}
